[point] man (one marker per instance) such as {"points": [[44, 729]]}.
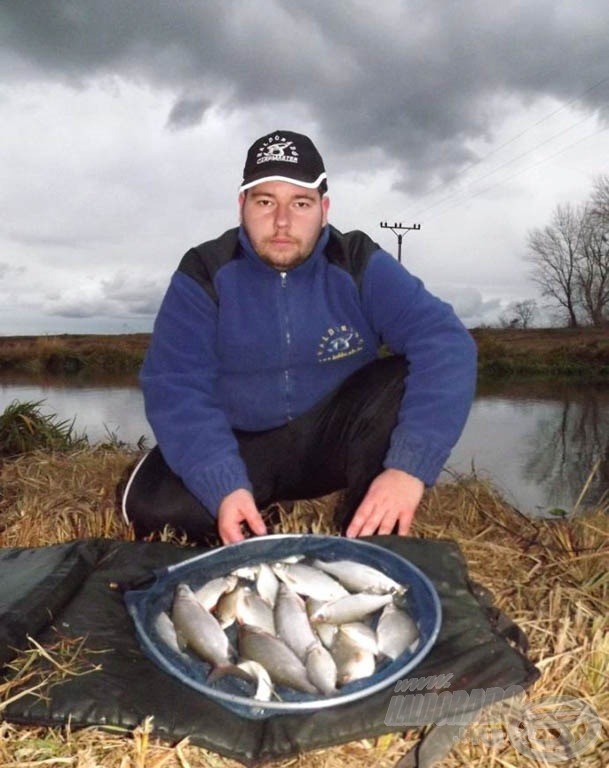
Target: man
{"points": [[263, 380]]}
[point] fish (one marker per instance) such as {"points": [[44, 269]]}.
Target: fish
{"points": [[309, 581], [228, 605], [396, 632], [256, 672], [280, 661], [198, 629], [210, 592], [246, 572], [292, 622], [321, 668], [362, 635], [353, 607], [166, 631], [267, 584], [359, 577], [352, 661], [303, 623], [251, 609], [324, 630]]}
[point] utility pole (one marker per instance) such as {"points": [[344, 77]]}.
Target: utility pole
{"points": [[397, 229]]}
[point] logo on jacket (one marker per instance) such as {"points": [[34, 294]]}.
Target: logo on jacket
{"points": [[277, 148], [338, 342]]}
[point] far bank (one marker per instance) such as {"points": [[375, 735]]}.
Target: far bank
{"points": [[503, 352]]}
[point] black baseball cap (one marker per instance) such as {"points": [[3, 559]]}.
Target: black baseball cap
{"points": [[283, 156]]}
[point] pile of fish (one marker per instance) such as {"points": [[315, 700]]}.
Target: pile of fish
{"points": [[308, 624]]}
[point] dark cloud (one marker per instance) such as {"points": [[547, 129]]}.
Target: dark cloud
{"points": [[187, 113], [417, 81]]}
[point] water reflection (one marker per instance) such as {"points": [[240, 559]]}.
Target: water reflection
{"points": [[543, 445], [570, 448], [107, 406]]}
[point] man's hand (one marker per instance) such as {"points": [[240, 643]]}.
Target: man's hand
{"points": [[235, 509], [393, 497]]}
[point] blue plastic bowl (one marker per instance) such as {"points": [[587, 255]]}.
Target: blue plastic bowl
{"points": [[145, 605]]}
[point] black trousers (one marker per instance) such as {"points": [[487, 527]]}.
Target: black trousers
{"points": [[338, 444]]}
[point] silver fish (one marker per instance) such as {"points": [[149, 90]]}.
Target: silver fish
{"points": [[164, 628], [396, 631], [282, 664], [358, 577], [291, 558], [246, 572], [292, 622], [267, 584], [350, 608], [252, 609], [210, 592], [198, 629], [321, 668], [256, 672], [228, 605], [362, 635], [309, 581], [322, 629], [352, 661]]}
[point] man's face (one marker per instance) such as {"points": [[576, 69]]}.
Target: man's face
{"points": [[283, 221]]}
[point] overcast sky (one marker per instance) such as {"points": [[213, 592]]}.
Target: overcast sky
{"points": [[124, 126]]}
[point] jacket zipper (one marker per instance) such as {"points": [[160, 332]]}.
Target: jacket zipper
{"points": [[286, 373]]}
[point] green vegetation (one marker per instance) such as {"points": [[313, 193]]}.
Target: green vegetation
{"points": [[23, 429], [549, 353]]}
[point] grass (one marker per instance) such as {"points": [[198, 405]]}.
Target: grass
{"points": [[549, 352], [24, 428], [550, 577]]}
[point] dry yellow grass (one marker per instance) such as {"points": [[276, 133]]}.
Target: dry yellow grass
{"points": [[550, 577]]}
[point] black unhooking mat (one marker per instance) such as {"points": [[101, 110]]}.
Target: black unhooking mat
{"points": [[70, 591]]}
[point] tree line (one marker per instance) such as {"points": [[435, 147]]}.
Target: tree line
{"points": [[570, 259]]}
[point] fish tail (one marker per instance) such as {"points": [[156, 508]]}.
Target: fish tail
{"points": [[227, 669]]}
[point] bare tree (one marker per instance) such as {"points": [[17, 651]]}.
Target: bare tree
{"points": [[554, 253], [600, 196], [570, 258], [525, 311], [594, 260], [593, 273], [518, 314]]}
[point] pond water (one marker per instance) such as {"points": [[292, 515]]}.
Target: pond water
{"points": [[545, 446]]}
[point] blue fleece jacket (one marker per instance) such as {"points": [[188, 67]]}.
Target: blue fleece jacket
{"points": [[238, 344]]}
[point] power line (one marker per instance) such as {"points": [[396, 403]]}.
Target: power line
{"points": [[522, 170], [481, 160], [508, 162]]}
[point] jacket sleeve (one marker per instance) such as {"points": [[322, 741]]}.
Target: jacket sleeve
{"points": [[179, 380], [441, 354]]}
